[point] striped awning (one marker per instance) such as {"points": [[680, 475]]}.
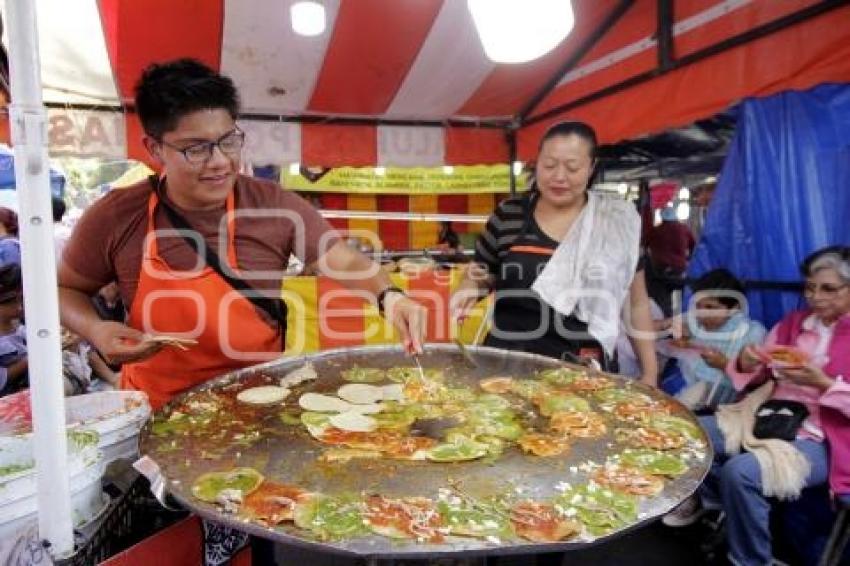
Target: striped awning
{"points": [[406, 82]]}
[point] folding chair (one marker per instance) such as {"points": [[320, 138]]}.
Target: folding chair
{"points": [[839, 535]]}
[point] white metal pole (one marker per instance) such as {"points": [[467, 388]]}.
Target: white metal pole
{"points": [[41, 304]]}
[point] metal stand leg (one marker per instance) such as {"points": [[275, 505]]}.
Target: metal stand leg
{"points": [[838, 539]]}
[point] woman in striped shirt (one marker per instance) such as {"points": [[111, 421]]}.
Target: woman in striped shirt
{"points": [[521, 237]]}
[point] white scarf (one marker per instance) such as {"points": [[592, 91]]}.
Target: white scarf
{"points": [[591, 271], [784, 468]]}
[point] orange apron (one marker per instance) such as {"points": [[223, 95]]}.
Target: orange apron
{"points": [[199, 304]]}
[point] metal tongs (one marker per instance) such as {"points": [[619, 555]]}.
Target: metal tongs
{"points": [[418, 365], [462, 347], [465, 353], [433, 428]]}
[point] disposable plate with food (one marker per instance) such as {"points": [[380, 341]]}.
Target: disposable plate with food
{"points": [[783, 357]]}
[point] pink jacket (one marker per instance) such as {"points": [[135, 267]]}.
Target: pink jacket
{"points": [[829, 411]]}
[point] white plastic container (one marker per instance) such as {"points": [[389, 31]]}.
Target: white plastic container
{"points": [[117, 416], [18, 502]]}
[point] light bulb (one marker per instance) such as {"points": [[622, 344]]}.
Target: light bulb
{"points": [[517, 31], [308, 18]]}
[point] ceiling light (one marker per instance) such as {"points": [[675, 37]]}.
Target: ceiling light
{"points": [[308, 18], [517, 31]]}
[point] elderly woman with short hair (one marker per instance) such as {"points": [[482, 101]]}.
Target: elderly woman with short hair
{"points": [[807, 403]]}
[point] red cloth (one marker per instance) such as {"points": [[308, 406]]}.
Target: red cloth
{"points": [[179, 544], [670, 245], [661, 194]]}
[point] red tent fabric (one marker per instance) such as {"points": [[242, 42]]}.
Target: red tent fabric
{"points": [[801, 56], [406, 82]]}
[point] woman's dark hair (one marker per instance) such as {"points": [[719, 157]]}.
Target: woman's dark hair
{"points": [[9, 220], [836, 257], [10, 280], [720, 280], [580, 129], [168, 91], [59, 208]]}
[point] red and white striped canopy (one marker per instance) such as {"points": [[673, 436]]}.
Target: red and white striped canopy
{"points": [[406, 82]]}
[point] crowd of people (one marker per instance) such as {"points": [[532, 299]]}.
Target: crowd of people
{"points": [[775, 430], [565, 265], [83, 368]]}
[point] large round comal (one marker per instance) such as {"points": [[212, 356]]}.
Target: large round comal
{"points": [[517, 454]]}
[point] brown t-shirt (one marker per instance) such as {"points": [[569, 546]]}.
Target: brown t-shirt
{"points": [[107, 242]]}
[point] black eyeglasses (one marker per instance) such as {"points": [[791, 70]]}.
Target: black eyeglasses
{"points": [[230, 144]]}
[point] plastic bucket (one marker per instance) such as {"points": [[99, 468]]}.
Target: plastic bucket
{"points": [[117, 416], [18, 500]]}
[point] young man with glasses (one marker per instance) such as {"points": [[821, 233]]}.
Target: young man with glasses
{"points": [[200, 251]]}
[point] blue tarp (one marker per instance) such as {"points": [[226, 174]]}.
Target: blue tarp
{"points": [[784, 192]]}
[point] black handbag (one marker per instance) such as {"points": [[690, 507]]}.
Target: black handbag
{"points": [[779, 419]]}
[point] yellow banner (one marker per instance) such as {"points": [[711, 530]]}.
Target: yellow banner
{"points": [[403, 180], [304, 327]]}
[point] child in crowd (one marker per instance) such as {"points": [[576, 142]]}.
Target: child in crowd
{"points": [[78, 358], [81, 365], [108, 304], [10, 247], [13, 338], [711, 334]]}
